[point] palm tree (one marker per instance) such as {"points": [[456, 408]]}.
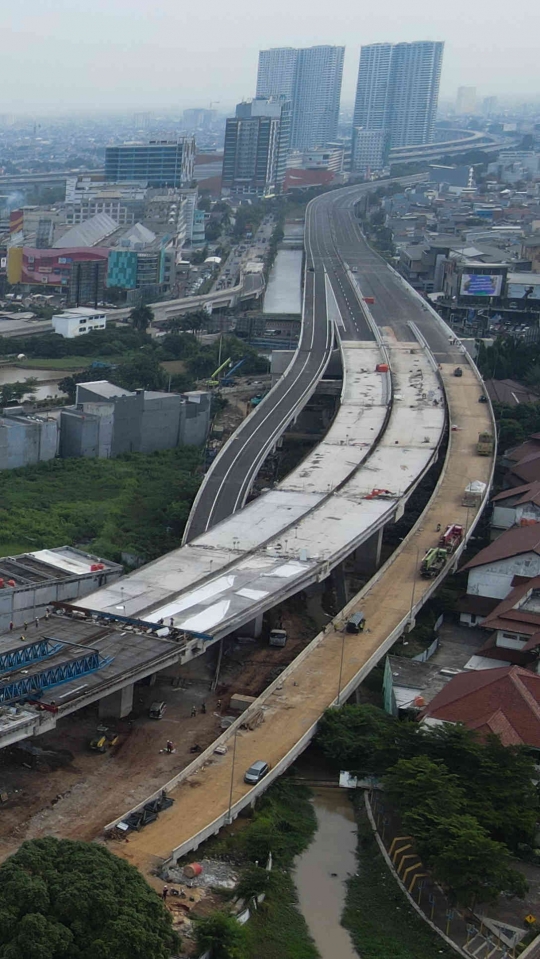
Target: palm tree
{"points": [[141, 318]]}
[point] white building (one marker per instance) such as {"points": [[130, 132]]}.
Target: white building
{"points": [[78, 321], [492, 572], [368, 150]]}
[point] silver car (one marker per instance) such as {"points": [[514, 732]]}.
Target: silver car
{"points": [[256, 772]]}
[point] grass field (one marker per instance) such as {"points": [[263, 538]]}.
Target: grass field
{"points": [[136, 503]]}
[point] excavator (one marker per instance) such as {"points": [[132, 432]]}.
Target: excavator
{"points": [[104, 739]]}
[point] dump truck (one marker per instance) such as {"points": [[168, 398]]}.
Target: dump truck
{"points": [[433, 562], [451, 538], [484, 447]]}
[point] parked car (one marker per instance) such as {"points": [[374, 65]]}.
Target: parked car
{"points": [[256, 772]]}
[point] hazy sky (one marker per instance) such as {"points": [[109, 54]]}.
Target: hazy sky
{"points": [[106, 54]]}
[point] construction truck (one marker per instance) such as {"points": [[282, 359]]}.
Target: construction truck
{"points": [[433, 562], [278, 637], [484, 447], [451, 538]]}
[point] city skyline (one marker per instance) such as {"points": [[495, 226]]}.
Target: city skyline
{"points": [[126, 58]]}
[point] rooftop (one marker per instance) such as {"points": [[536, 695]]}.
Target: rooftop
{"points": [[90, 233], [504, 701], [514, 542]]}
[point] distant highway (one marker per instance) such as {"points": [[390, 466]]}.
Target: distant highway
{"points": [[229, 479]]}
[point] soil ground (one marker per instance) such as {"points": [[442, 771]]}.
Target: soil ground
{"points": [[77, 800]]}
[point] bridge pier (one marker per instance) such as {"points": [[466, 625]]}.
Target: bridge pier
{"points": [[340, 587], [254, 627], [118, 705], [367, 557]]}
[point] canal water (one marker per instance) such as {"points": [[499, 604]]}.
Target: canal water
{"points": [[48, 380], [322, 870]]}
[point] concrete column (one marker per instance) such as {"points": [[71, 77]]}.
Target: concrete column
{"points": [[338, 576], [254, 627], [118, 704], [367, 558]]}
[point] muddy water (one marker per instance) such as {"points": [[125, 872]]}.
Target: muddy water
{"points": [[322, 895], [48, 380]]}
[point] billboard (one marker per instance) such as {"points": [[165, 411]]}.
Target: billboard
{"points": [[481, 284], [518, 290]]}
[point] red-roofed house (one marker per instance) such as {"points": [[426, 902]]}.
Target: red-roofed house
{"points": [[503, 701], [493, 570], [514, 627]]}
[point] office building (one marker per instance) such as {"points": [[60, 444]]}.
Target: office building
{"points": [[158, 163], [489, 106], [256, 147], [275, 76], [466, 101], [316, 96], [311, 79], [397, 94]]}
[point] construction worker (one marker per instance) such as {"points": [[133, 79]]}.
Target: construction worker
{"points": [[25, 625], [169, 746], [165, 893], [11, 626], [37, 622], [218, 704], [193, 711], [203, 708]]}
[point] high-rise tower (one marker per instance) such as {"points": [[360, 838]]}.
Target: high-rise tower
{"points": [[396, 95], [311, 79], [275, 76]]}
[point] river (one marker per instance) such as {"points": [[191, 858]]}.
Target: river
{"points": [[321, 872], [48, 380]]}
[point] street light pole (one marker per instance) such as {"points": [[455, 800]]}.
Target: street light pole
{"points": [[341, 664], [229, 817]]}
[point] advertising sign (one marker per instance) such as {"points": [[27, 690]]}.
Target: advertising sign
{"points": [[477, 284]]}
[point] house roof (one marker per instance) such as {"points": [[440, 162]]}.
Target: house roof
{"points": [[514, 542], [531, 445], [528, 493], [528, 468], [477, 605], [512, 611], [509, 392], [505, 701]]}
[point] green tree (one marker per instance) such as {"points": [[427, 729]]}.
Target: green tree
{"points": [[222, 936], [350, 737], [212, 230], [473, 867], [14, 392], [141, 372], [74, 900], [141, 318]]}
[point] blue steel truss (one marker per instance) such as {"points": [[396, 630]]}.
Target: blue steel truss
{"points": [[29, 653], [32, 686]]}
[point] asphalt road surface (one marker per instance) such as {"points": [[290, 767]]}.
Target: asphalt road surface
{"points": [[333, 242]]}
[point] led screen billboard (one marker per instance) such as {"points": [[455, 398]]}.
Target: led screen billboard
{"points": [[481, 284]]}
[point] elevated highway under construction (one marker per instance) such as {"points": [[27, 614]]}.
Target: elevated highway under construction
{"points": [[405, 441], [399, 403]]}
